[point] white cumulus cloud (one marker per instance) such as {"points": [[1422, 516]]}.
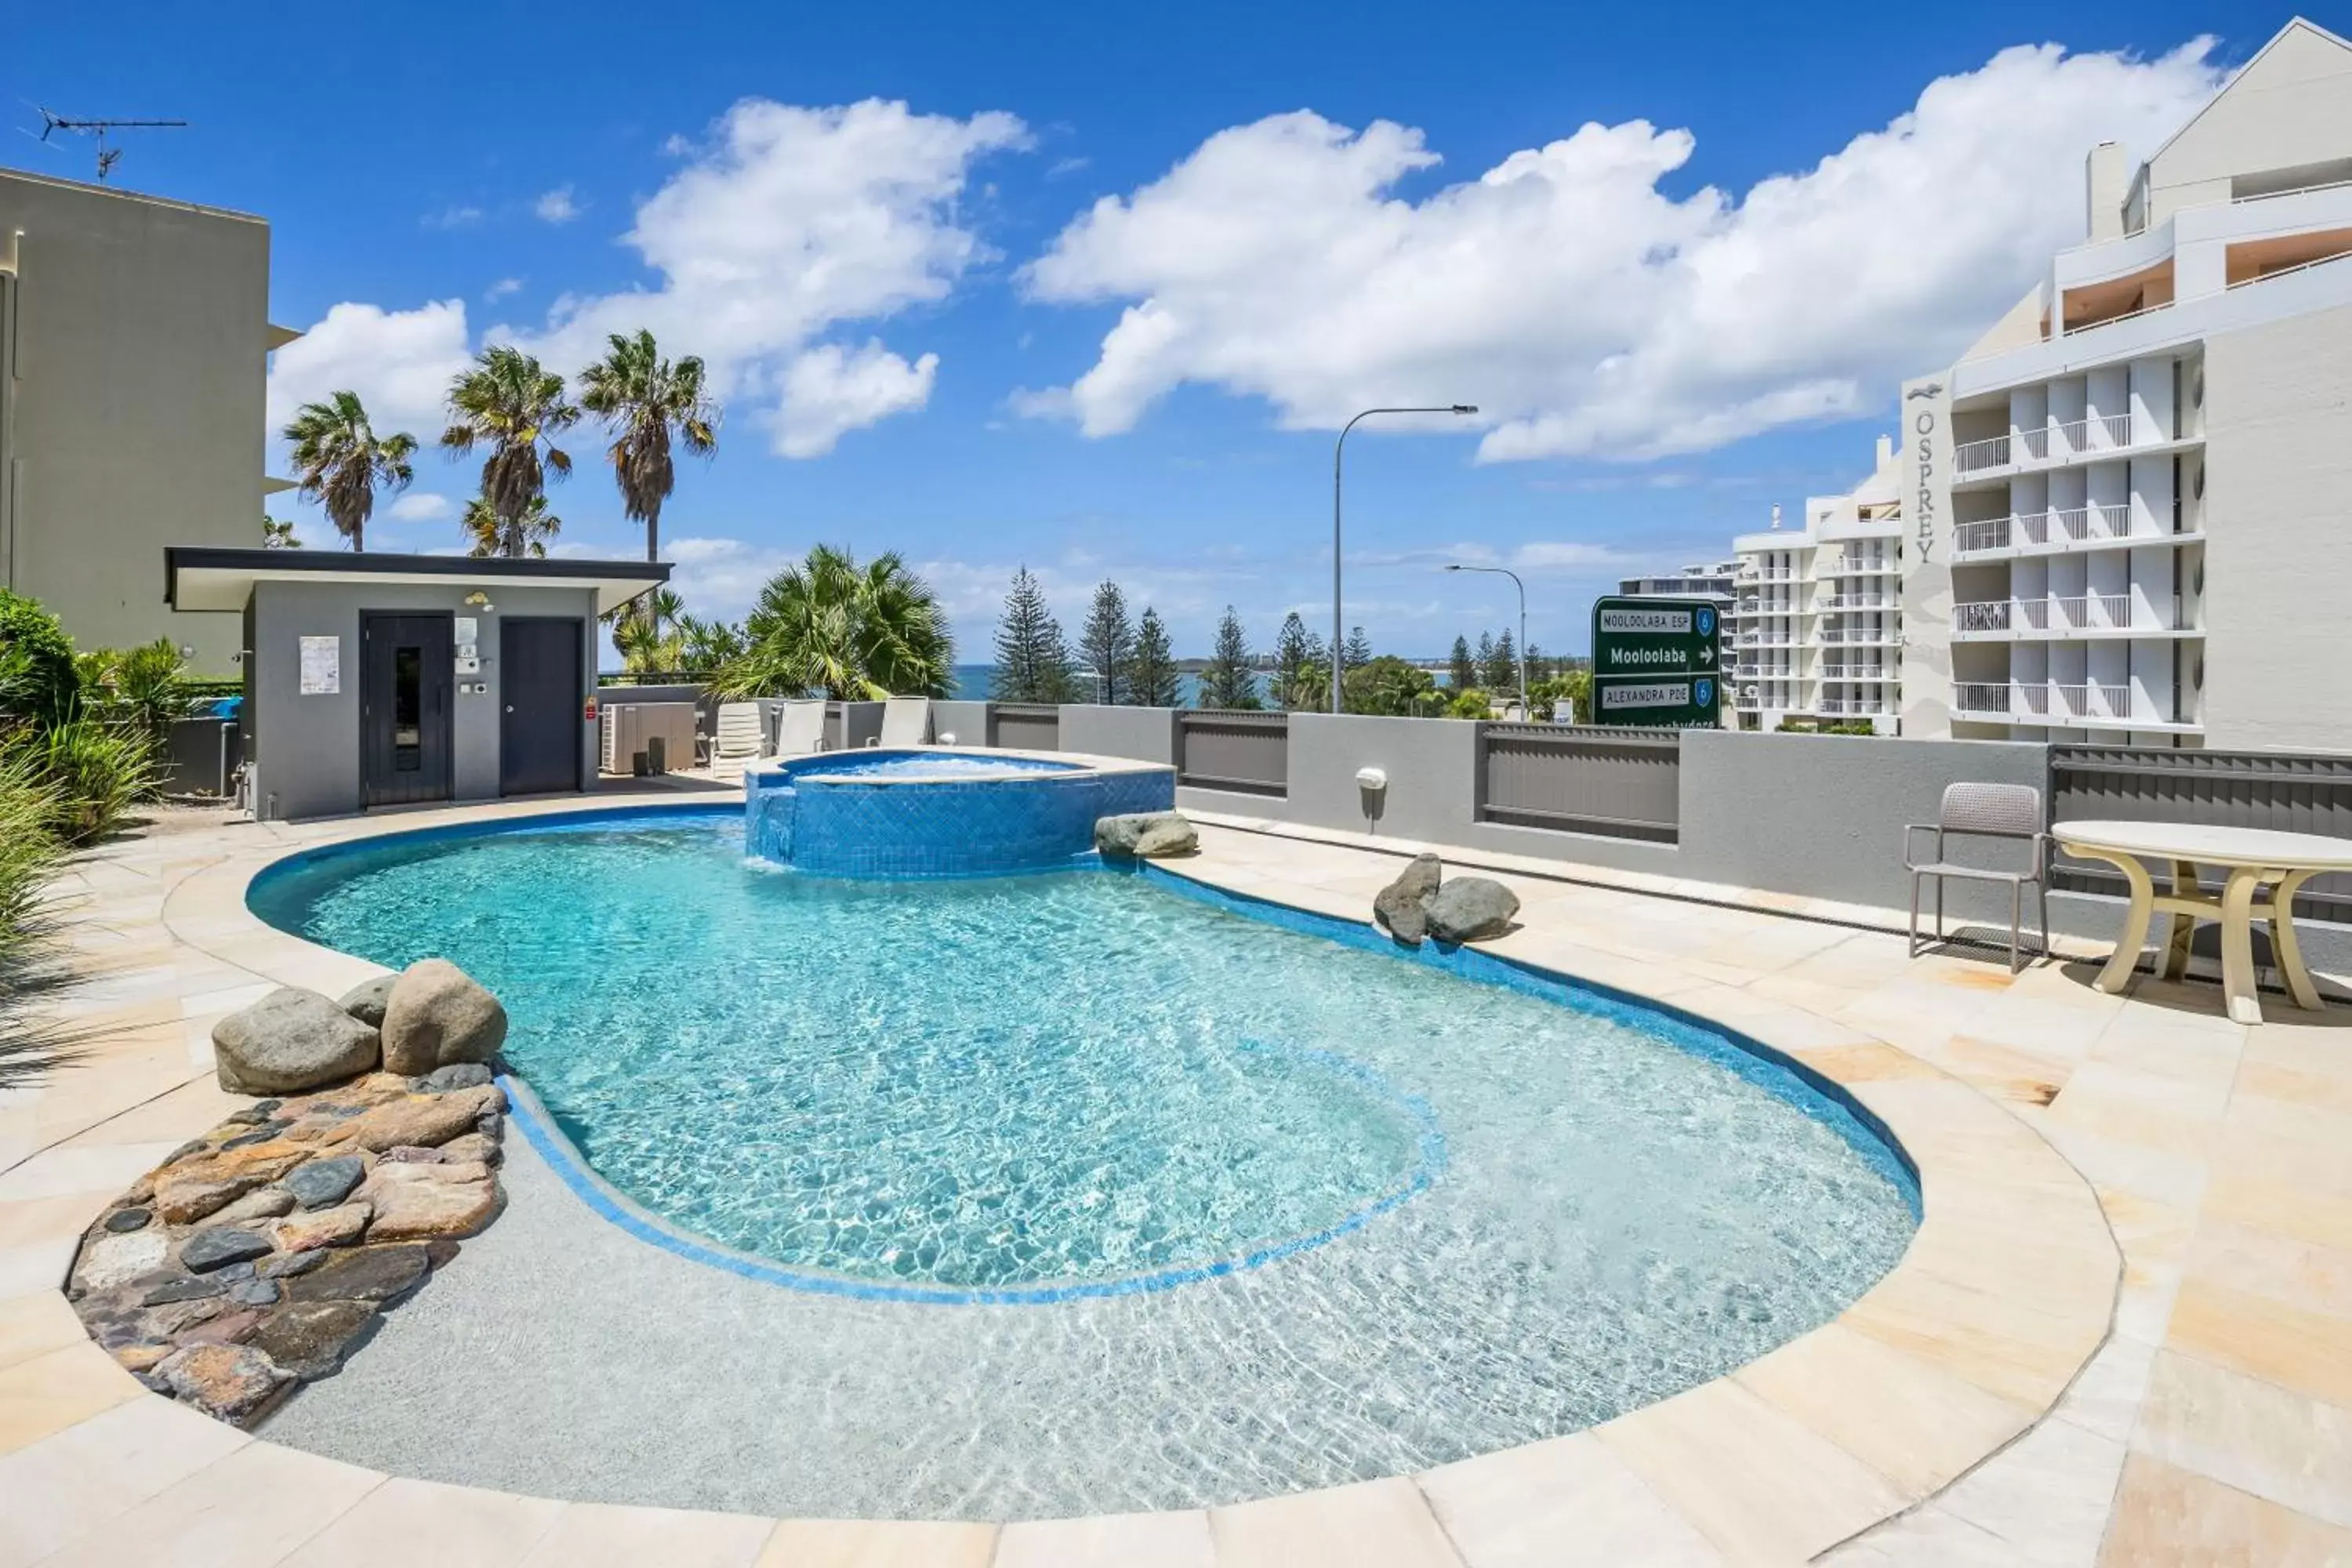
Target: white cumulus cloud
{"points": [[556, 206], [419, 506], [1585, 310], [788, 222], [830, 391], [399, 362]]}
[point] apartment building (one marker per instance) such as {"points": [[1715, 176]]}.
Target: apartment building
{"points": [[1816, 627], [1706, 582], [2131, 503], [135, 338]]}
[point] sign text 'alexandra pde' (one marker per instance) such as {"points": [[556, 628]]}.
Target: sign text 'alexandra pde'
{"points": [[1656, 662]]}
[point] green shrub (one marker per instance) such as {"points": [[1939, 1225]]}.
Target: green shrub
{"points": [[28, 855], [139, 690], [37, 681], [93, 773]]}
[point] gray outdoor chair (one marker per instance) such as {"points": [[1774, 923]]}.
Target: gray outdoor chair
{"points": [[1985, 811]]}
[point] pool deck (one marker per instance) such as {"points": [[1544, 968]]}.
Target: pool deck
{"points": [[2123, 1334]]}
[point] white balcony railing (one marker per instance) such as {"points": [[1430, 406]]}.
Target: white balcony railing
{"points": [[1981, 697], [1980, 616], [2090, 701], [1972, 538], [1991, 453]]}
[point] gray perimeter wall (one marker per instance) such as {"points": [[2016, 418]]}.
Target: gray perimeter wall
{"points": [[1140, 734], [306, 750], [1817, 816]]}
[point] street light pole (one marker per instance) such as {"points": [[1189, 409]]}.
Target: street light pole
{"points": [[1525, 702], [1340, 450]]}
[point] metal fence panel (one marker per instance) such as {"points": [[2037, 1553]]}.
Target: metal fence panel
{"points": [[1026, 726], [1249, 753], [2291, 791], [1618, 782]]}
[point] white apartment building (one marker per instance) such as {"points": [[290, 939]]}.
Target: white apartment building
{"points": [[2131, 503], [1713, 581], [1816, 627]]}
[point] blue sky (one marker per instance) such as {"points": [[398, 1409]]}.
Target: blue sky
{"points": [[1672, 316]]}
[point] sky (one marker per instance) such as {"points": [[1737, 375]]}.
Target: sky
{"points": [[1091, 288]]}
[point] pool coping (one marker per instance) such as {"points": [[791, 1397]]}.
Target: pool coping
{"points": [[2007, 1289]]}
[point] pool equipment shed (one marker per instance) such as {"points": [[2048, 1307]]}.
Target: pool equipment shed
{"points": [[378, 681]]}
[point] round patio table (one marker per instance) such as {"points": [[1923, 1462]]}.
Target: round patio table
{"points": [[2252, 857]]}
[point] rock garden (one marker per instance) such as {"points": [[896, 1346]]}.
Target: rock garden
{"points": [[257, 1257], [1421, 903]]}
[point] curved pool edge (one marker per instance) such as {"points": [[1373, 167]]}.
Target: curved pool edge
{"points": [[2007, 1289]]}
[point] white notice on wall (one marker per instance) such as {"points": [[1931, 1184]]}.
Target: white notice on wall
{"points": [[322, 666], [467, 630]]}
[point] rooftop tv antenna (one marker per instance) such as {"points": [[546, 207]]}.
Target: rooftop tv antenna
{"points": [[108, 156]]}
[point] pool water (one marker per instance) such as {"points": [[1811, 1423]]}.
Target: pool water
{"points": [[1169, 1202]]}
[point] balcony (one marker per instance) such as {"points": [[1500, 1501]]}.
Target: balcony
{"points": [[1871, 601], [1860, 565], [2097, 705], [1972, 615], [1973, 698], [1858, 707], [2070, 441], [2062, 616], [1869, 672]]}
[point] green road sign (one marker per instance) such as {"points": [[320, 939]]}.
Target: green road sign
{"points": [[1656, 662], [1657, 702]]}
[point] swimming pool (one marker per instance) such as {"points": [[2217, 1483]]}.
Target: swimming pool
{"points": [[1103, 1191]]}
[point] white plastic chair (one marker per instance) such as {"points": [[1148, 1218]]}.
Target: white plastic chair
{"points": [[906, 721], [800, 731], [738, 741]]}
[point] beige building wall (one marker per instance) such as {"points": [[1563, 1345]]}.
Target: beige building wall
{"points": [[2287, 120], [135, 334], [2278, 455]]}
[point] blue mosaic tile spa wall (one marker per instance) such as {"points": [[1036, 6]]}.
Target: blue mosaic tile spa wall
{"points": [[939, 828]]}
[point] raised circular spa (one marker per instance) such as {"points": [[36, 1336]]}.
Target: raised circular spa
{"points": [[931, 812], [1038, 1195]]}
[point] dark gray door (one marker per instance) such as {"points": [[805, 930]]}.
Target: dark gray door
{"points": [[539, 690], [406, 681]]}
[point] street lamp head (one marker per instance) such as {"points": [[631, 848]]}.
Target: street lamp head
{"points": [[1465, 408]]}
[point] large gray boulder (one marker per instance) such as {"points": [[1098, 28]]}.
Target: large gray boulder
{"points": [[438, 1014], [1403, 907], [366, 1000], [1471, 908], [1146, 834], [290, 1041]]}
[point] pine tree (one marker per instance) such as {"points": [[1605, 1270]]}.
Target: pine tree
{"points": [[1302, 671], [1360, 647], [1538, 666], [1485, 658], [1032, 661], [1108, 644], [1503, 669], [1460, 673], [1151, 680], [1229, 682]]}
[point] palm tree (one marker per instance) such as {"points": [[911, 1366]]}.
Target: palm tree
{"points": [[277, 534], [649, 631], [829, 624], [490, 534], [343, 462], [646, 400], [510, 404]]}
